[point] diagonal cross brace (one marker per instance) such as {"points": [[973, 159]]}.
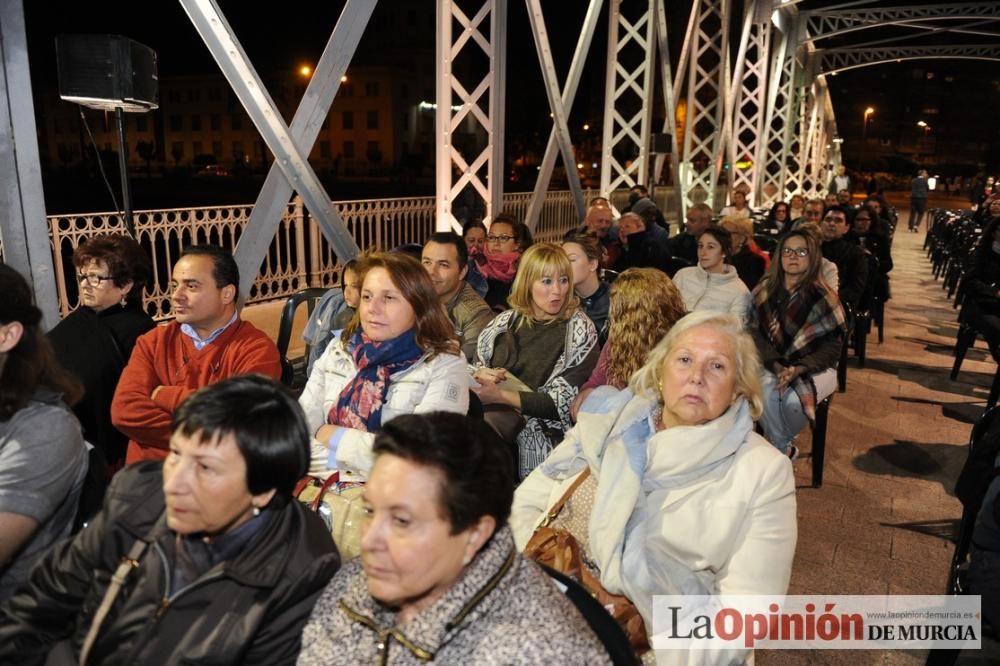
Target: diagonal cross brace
{"points": [[559, 136], [305, 127], [218, 36]]}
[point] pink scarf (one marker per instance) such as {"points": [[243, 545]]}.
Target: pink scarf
{"points": [[499, 266]]}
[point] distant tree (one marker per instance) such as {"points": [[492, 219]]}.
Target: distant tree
{"points": [[146, 150]]}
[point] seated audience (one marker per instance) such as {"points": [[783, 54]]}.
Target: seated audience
{"points": [[439, 578], [43, 459], [798, 325], [95, 341], [713, 284], [844, 200], [830, 200], [584, 252], [446, 260], [507, 240], [852, 267], [779, 218], [984, 555], [641, 248], [796, 207], [548, 343], [205, 343], [685, 244], [474, 235], [739, 207], [655, 463], [749, 260], [600, 221], [811, 214], [645, 304], [399, 355], [873, 242], [657, 225], [220, 564], [332, 313]]}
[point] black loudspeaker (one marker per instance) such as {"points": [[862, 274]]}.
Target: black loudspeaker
{"points": [[106, 72], [663, 143]]}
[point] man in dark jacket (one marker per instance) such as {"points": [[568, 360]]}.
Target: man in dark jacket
{"points": [[220, 564], [852, 267], [640, 247], [685, 244]]}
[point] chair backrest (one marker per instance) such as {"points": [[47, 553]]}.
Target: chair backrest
{"points": [[309, 296], [600, 621]]}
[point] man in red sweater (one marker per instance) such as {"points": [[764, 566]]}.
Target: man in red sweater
{"points": [[206, 342]]}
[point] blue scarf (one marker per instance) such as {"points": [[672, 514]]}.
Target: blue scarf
{"points": [[360, 403]]}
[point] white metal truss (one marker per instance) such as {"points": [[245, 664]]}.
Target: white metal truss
{"points": [[707, 79], [23, 227], [826, 61], [749, 97], [823, 23], [628, 91], [812, 171], [670, 91], [559, 138], [306, 125], [473, 102], [218, 36], [780, 100]]}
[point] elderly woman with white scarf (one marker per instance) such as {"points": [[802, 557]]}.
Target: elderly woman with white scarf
{"points": [[682, 497]]}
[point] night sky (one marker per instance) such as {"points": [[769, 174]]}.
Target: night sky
{"points": [[298, 32]]}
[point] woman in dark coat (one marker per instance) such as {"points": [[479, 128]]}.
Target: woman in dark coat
{"points": [[95, 341], [221, 565]]}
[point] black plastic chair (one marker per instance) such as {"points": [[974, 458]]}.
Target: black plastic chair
{"points": [[309, 296], [677, 263], [600, 621], [819, 440]]}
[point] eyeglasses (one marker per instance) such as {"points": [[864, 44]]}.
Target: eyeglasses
{"points": [[499, 239], [799, 252], [93, 279]]}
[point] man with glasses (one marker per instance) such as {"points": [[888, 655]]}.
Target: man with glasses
{"points": [[812, 213], [205, 343], [852, 267]]}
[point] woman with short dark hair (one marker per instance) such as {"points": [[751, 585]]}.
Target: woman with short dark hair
{"points": [[220, 565], [95, 341], [439, 578], [42, 455]]}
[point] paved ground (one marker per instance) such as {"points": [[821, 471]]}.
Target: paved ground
{"points": [[882, 522], [896, 440]]}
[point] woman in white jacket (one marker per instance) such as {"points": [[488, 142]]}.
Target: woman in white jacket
{"points": [[399, 355], [713, 284], [682, 496]]}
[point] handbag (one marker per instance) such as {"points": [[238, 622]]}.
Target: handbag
{"points": [[339, 505], [558, 549]]}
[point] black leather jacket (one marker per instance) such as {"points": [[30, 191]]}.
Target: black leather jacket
{"points": [[247, 610]]}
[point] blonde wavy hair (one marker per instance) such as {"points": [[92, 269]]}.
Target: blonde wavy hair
{"points": [[747, 361], [645, 304], [541, 260]]}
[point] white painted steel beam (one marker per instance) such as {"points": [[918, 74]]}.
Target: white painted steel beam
{"points": [[306, 125], [559, 137], [628, 91], [669, 104], [470, 108], [218, 36], [23, 225]]}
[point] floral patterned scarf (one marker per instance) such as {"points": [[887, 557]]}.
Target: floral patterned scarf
{"points": [[360, 403]]}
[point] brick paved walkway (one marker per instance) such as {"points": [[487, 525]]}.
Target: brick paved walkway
{"points": [[881, 523]]}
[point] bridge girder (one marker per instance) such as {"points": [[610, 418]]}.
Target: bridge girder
{"points": [[827, 23]]}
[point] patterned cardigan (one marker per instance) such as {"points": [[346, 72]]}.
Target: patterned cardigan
{"points": [[577, 359]]}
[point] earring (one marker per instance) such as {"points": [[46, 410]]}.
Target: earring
{"points": [[256, 511], [123, 300]]}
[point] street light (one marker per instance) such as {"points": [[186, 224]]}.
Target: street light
{"points": [[864, 136], [305, 70]]}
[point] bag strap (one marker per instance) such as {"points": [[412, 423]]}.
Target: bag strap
{"points": [[129, 562], [330, 482], [558, 506]]}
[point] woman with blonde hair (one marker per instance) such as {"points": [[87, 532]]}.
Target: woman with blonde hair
{"points": [[533, 358], [398, 355], [645, 304], [665, 486]]}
